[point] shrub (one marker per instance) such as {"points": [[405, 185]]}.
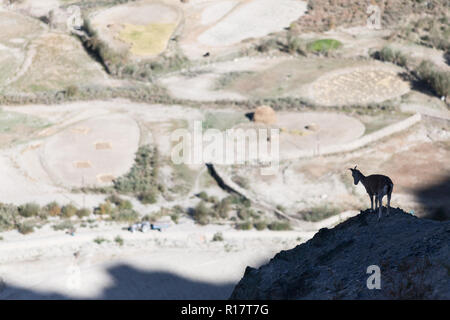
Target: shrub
{"points": [[279, 226], [8, 214], [244, 225], [25, 228], [53, 209], [127, 215], [114, 198], [104, 208], [119, 202], [100, 240], [178, 209], [201, 213], [29, 210], [142, 179], [218, 236], [267, 45], [244, 213], [260, 225], [239, 201], [83, 212], [389, 55], [43, 215], [213, 200], [68, 211], [203, 195], [223, 208], [147, 197], [324, 46], [125, 205], [320, 212], [64, 225], [439, 81], [71, 91], [295, 46], [118, 240], [175, 217]]}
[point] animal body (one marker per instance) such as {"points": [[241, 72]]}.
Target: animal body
{"points": [[377, 186]]}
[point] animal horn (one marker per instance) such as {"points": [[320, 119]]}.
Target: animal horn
{"points": [[355, 167]]}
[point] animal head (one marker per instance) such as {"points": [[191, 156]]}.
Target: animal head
{"points": [[356, 174]]}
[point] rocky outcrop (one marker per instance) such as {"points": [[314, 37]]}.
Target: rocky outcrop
{"points": [[412, 254]]}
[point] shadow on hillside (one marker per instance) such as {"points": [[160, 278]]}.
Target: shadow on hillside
{"points": [[417, 84], [435, 199], [131, 283]]}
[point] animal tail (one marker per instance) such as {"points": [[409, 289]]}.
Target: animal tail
{"points": [[390, 188]]}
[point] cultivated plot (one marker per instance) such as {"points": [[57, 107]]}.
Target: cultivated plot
{"points": [[56, 61], [17, 32], [143, 28], [361, 85]]}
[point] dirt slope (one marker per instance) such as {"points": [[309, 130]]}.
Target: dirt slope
{"points": [[412, 254]]}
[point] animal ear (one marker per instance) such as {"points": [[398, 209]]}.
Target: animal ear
{"points": [[350, 169]]}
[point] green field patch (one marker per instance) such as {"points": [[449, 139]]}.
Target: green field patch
{"points": [[223, 120], [9, 121], [16, 128], [324, 45], [286, 77], [147, 40], [227, 79]]}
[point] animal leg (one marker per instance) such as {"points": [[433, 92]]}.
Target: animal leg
{"points": [[371, 203], [380, 207], [388, 202]]}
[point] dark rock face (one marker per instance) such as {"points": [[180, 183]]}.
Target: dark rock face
{"points": [[413, 256]]}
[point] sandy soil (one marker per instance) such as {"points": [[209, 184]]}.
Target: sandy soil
{"points": [[328, 129], [252, 20], [99, 150], [201, 86], [36, 8], [216, 11], [220, 26]]}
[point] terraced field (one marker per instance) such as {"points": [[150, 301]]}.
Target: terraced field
{"points": [[327, 82], [17, 33], [56, 61], [143, 29]]}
